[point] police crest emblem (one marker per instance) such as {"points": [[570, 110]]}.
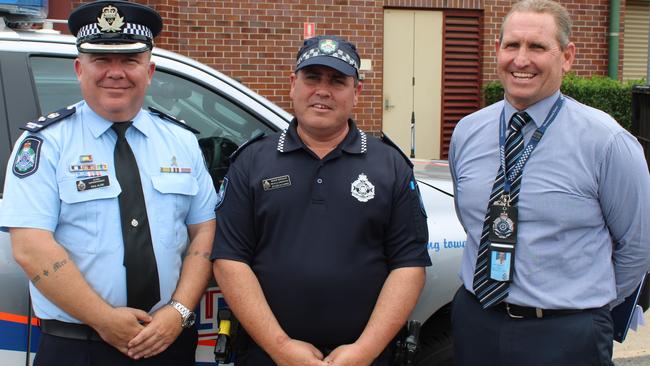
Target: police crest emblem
{"points": [[362, 189], [328, 46], [26, 161], [110, 20], [503, 226]]}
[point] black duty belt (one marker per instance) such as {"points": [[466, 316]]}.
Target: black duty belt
{"points": [[69, 330], [524, 312]]}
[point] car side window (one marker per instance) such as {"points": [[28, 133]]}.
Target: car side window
{"points": [[56, 83], [223, 124]]}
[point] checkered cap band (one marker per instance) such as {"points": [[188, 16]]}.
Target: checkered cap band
{"points": [[129, 28], [340, 54]]}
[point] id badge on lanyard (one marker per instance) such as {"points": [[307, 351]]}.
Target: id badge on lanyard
{"points": [[503, 215], [503, 237]]}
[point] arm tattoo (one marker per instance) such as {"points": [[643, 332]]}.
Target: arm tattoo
{"points": [[55, 267], [196, 253], [58, 265]]}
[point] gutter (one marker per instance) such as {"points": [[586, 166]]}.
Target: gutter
{"points": [[614, 29]]}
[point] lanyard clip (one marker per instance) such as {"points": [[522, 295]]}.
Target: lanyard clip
{"points": [[504, 200]]}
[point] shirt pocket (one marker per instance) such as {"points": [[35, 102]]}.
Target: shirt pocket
{"points": [[81, 212], [173, 198]]}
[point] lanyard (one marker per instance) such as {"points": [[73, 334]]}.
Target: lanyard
{"points": [[537, 136]]}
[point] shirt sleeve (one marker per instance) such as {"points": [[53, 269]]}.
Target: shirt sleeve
{"points": [[203, 203], [406, 238], [235, 235], [32, 201], [454, 176], [624, 192]]}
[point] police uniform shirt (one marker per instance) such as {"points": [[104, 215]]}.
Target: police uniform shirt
{"points": [[583, 238], [85, 218], [321, 235]]}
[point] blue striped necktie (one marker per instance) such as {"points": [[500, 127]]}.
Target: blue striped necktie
{"points": [[488, 291]]}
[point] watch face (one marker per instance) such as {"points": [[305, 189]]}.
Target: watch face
{"points": [[190, 320]]}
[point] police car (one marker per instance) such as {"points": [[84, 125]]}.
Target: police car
{"points": [[37, 77]]}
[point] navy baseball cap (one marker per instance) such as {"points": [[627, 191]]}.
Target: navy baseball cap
{"points": [[331, 51], [114, 26]]}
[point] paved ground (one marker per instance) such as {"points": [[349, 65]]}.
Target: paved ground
{"points": [[635, 351]]}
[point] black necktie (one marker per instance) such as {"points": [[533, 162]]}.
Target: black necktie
{"points": [[488, 291], [142, 287]]}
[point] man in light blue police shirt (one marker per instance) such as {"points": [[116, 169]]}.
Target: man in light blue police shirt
{"points": [[69, 227], [570, 217]]}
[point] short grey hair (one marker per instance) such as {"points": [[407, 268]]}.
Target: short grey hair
{"points": [[559, 13]]}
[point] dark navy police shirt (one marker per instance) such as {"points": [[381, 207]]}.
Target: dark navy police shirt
{"points": [[321, 235]]}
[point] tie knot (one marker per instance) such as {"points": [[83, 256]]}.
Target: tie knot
{"points": [[519, 120], [120, 128]]}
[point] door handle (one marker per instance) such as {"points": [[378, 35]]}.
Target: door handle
{"points": [[387, 105]]}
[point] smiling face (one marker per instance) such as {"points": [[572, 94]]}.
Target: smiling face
{"points": [[114, 85], [530, 61], [323, 99]]}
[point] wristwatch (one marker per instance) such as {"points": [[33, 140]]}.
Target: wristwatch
{"points": [[187, 316]]}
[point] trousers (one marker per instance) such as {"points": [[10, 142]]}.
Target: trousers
{"points": [[57, 351], [489, 337]]}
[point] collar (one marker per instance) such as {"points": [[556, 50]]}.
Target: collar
{"points": [[98, 125], [355, 142], [537, 111]]}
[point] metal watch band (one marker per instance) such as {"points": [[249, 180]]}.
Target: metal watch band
{"points": [[186, 313]]}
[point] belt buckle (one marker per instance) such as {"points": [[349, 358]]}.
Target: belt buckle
{"points": [[511, 314]]}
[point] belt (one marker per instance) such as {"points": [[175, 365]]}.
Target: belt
{"points": [[521, 312], [69, 330]]}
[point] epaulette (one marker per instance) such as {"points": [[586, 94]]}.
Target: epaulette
{"points": [[181, 123], [390, 142], [241, 148], [44, 122]]}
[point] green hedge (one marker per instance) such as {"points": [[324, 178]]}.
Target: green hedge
{"points": [[611, 96]]}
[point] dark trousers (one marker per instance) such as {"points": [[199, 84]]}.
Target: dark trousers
{"points": [[490, 337], [58, 351], [253, 355]]}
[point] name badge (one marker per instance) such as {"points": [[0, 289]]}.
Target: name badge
{"points": [[92, 183], [276, 182]]}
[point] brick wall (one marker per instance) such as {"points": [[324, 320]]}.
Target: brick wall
{"points": [[255, 41]]}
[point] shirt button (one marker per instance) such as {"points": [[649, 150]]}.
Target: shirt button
{"points": [[134, 223], [319, 181]]}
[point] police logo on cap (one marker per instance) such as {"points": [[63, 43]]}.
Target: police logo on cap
{"points": [[328, 46], [110, 21]]}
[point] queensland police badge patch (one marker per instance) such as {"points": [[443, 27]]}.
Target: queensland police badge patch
{"points": [[362, 189], [222, 192], [27, 157]]}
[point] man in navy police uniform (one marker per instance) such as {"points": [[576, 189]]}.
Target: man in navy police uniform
{"points": [[114, 233], [570, 217], [321, 238]]}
